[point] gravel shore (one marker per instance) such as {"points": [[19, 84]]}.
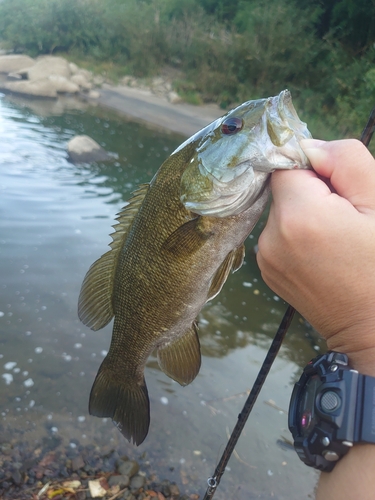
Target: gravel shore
{"points": [[79, 473]]}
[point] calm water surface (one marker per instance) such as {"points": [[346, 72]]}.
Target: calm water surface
{"points": [[55, 219]]}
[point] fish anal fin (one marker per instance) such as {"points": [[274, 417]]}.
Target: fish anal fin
{"points": [[95, 299], [181, 359], [188, 238], [123, 400], [232, 262]]}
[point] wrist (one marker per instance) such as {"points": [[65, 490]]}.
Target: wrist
{"points": [[361, 359], [356, 340]]}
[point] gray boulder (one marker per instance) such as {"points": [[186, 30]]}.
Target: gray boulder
{"points": [[13, 63], [46, 76], [83, 149], [63, 85], [46, 66], [81, 80], [41, 88], [45, 87], [73, 68], [174, 98]]}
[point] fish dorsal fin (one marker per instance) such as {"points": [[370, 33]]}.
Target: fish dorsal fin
{"points": [[181, 358], [126, 216], [95, 299], [232, 262]]}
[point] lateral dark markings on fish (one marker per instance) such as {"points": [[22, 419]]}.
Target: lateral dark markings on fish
{"points": [[174, 246]]}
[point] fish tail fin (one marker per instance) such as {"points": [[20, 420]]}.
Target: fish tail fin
{"points": [[125, 401]]}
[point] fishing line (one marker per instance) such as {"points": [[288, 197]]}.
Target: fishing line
{"points": [[213, 481]]}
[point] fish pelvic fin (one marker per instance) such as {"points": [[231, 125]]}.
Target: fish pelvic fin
{"points": [[232, 262], [181, 358], [126, 402], [95, 308]]}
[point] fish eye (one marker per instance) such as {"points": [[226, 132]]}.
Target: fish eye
{"points": [[231, 125]]}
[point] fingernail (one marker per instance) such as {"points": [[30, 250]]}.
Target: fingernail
{"points": [[311, 143], [313, 150]]}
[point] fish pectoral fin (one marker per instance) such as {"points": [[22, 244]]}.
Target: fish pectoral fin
{"points": [[238, 258], [123, 400], [188, 238], [95, 299], [232, 262], [181, 359]]}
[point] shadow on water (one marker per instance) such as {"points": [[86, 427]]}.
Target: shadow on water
{"points": [[55, 219]]}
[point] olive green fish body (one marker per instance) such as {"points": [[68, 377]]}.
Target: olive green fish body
{"points": [[172, 251]]}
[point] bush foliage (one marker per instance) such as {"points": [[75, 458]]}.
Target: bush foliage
{"points": [[227, 50]]}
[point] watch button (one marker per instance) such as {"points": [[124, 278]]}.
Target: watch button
{"points": [[330, 401], [349, 444], [325, 441], [331, 456], [340, 358]]}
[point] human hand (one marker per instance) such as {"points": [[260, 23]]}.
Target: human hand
{"points": [[318, 248]]}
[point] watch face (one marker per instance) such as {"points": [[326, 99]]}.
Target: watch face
{"points": [[306, 417]]}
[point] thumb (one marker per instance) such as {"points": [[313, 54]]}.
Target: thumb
{"points": [[348, 165]]}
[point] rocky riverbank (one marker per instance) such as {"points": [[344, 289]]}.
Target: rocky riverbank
{"points": [[79, 473], [153, 101], [46, 77]]}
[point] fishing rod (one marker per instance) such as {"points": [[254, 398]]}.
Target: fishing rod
{"points": [[214, 480]]}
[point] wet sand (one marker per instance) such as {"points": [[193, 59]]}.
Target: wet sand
{"points": [[145, 106]]}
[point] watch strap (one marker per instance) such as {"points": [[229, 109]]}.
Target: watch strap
{"points": [[365, 415]]}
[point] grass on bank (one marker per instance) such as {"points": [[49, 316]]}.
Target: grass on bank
{"points": [[317, 123], [222, 51]]}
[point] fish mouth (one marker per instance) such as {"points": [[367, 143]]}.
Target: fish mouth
{"points": [[286, 130], [269, 142]]}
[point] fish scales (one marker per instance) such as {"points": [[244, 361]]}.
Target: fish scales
{"points": [[173, 248]]}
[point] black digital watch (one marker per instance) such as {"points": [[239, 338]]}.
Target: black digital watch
{"points": [[331, 408]]}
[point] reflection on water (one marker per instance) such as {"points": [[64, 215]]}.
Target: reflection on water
{"points": [[55, 219]]}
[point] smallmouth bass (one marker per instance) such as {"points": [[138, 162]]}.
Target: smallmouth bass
{"points": [[174, 246]]}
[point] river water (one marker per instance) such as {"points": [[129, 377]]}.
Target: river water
{"points": [[55, 219]]}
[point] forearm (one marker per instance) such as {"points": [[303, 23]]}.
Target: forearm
{"points": [[353, 478], [318, 253]]}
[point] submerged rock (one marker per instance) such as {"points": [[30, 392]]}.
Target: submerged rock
{"points": [[137, 482], [83, 149], [121, 480], [128, 467]]}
